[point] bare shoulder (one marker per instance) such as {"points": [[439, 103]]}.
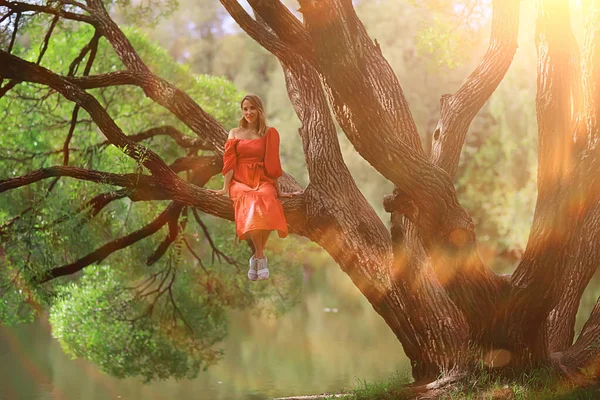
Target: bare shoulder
{"points": [[233, 133]]}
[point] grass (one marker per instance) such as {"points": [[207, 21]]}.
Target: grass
{"points": [[483, 385]]}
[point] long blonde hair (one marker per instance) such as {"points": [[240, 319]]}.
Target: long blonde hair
{"points": [[262, 119]]}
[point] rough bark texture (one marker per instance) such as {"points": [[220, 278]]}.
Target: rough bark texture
{"points": [[423, 275]]}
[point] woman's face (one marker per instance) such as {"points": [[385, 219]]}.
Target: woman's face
{"points": [[249, 111]]}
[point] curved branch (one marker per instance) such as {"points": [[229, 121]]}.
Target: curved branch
{"points": [[257, 32], [118, 244], [215, 250], [458, 110], [171, 236]]}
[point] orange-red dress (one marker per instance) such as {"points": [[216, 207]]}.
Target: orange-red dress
{"points": [[256, 166]]}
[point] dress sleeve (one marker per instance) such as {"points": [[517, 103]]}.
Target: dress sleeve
{"points": [[272, 162], [230, 156]]}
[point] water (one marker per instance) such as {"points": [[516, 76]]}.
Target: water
{"points": [[325, 344]]}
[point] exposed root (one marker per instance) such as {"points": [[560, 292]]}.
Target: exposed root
{"points": [[437, 388]]}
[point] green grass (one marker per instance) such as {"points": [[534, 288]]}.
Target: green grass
{"points": [[536, 385]]}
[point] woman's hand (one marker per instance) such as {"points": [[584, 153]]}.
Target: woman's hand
{"points": [[292, 194], [220, 192]]}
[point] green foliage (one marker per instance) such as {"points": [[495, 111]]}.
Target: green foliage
{"points": [[126, 334]]}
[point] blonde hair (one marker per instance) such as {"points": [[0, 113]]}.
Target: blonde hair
{"points": [[262, 119]]}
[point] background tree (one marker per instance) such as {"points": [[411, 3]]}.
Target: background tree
{"points": [[423, 275]]}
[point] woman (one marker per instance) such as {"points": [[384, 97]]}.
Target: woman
{"points": [[251, 168]]}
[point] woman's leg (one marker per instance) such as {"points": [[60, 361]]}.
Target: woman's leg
{"points": [[265, 238], [257, 239]]}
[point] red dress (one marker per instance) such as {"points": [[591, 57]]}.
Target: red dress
{"points": [[256, 166]]}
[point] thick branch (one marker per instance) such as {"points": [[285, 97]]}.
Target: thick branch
{"points": [[287, 27], [124, 180], [591, 71], [197, 163], [117, 78], [458, 111], [543, 273], [257, 32], [341, 221]]}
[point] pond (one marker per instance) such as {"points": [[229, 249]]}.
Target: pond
{"points": [[328, 342]]}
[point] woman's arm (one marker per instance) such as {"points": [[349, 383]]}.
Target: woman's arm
{"points": [[227, 177], [229, 159]]}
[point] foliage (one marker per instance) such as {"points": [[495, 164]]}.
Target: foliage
{"points": [[126, 334]]}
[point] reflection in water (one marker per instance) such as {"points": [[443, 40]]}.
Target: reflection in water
{"points": [[312, 349]]}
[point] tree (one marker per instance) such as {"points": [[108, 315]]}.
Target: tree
{"points": [[423, 275]]}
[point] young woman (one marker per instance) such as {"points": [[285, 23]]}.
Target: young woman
{"points": [[251, 168]]}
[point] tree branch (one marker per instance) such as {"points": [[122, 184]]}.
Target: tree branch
{"points": [[118, 244], [214, 163], [287, 27], [24, 7], [183, 140], [124, 180], [14, 33], [458, 110], [591, 72], [47, 39], [543, 272], [215, 250], [171, 236], [117, 78], [585, 353]]}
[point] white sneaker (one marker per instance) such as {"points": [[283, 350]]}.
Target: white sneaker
{"points": [[261, 266], [252, 274]]}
